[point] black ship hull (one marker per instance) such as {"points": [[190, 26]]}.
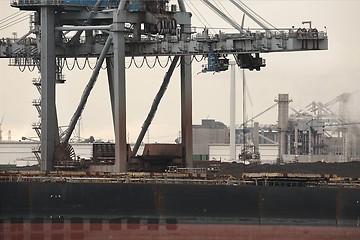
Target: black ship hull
{"points": [[178, 209]]}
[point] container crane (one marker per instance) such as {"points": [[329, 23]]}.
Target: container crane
{"points": [[112, 30]]}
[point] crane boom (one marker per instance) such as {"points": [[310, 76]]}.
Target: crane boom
{"points": [[250, 15], [223, 16]]}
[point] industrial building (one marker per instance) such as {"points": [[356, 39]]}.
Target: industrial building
{"points": [[211, 141], [320, 132], [209, 132], [325, 132]]}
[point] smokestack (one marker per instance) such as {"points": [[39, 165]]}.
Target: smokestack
{"points": [[283, 119], [296, 143], [256, 138]]}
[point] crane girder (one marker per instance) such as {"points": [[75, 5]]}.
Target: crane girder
{"points": [[222, 44], [163, 38]]}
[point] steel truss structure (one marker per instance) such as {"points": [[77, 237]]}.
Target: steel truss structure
{"points": [[112, 30]]}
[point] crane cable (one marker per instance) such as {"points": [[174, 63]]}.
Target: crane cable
{"points": [[199, 13], [192, 10], [167, 62], [10, 17], [6, 23], [151, 64], [224, 9], [255, 14]]}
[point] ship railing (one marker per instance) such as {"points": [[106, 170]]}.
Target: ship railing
{"points": [[289, 175], [175, 169], [164, 178]]}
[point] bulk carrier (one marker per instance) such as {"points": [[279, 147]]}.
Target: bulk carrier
{"points": [[178, 204], [92, 202]]}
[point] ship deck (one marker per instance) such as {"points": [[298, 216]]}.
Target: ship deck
{"points": [[197, 176]]}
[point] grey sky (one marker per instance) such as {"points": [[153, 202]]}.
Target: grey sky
{"points": [[306, 76]]}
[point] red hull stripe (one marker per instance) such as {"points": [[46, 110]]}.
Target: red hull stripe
{"points": [[31, 231]]}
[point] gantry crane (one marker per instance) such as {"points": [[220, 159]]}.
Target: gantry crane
{"points": [[112, 30]]}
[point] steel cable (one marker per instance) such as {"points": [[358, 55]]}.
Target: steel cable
{"points": [[88, 63], [23, 69], [67, 66], [167, 62], [254, 13], [225, 10], [77, 63], [199, 13], [5, 19], [16, 21], [31, 69], [147, 63], [142, 63], [130, 63], [202, 58]]}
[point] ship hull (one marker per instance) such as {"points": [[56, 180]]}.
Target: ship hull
{"points": [[175, 232], [57, 210]]}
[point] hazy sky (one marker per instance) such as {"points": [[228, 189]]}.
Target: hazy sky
{"points": [[306, 76]]}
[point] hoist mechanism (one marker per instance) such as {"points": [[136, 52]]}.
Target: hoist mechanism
{"points": [[158, 16], [248, 61], [216, 63]]}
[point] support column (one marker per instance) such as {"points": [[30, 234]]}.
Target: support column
{"points": [[119, 91], [186, 111], [186, 98], [256, 138], [310, 142], [110, 74], [232, 112], [296, 144], [49, 126]]}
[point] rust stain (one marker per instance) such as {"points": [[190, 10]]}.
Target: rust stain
{"points": [[260, 205], [337, 207], [158, 196]]}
